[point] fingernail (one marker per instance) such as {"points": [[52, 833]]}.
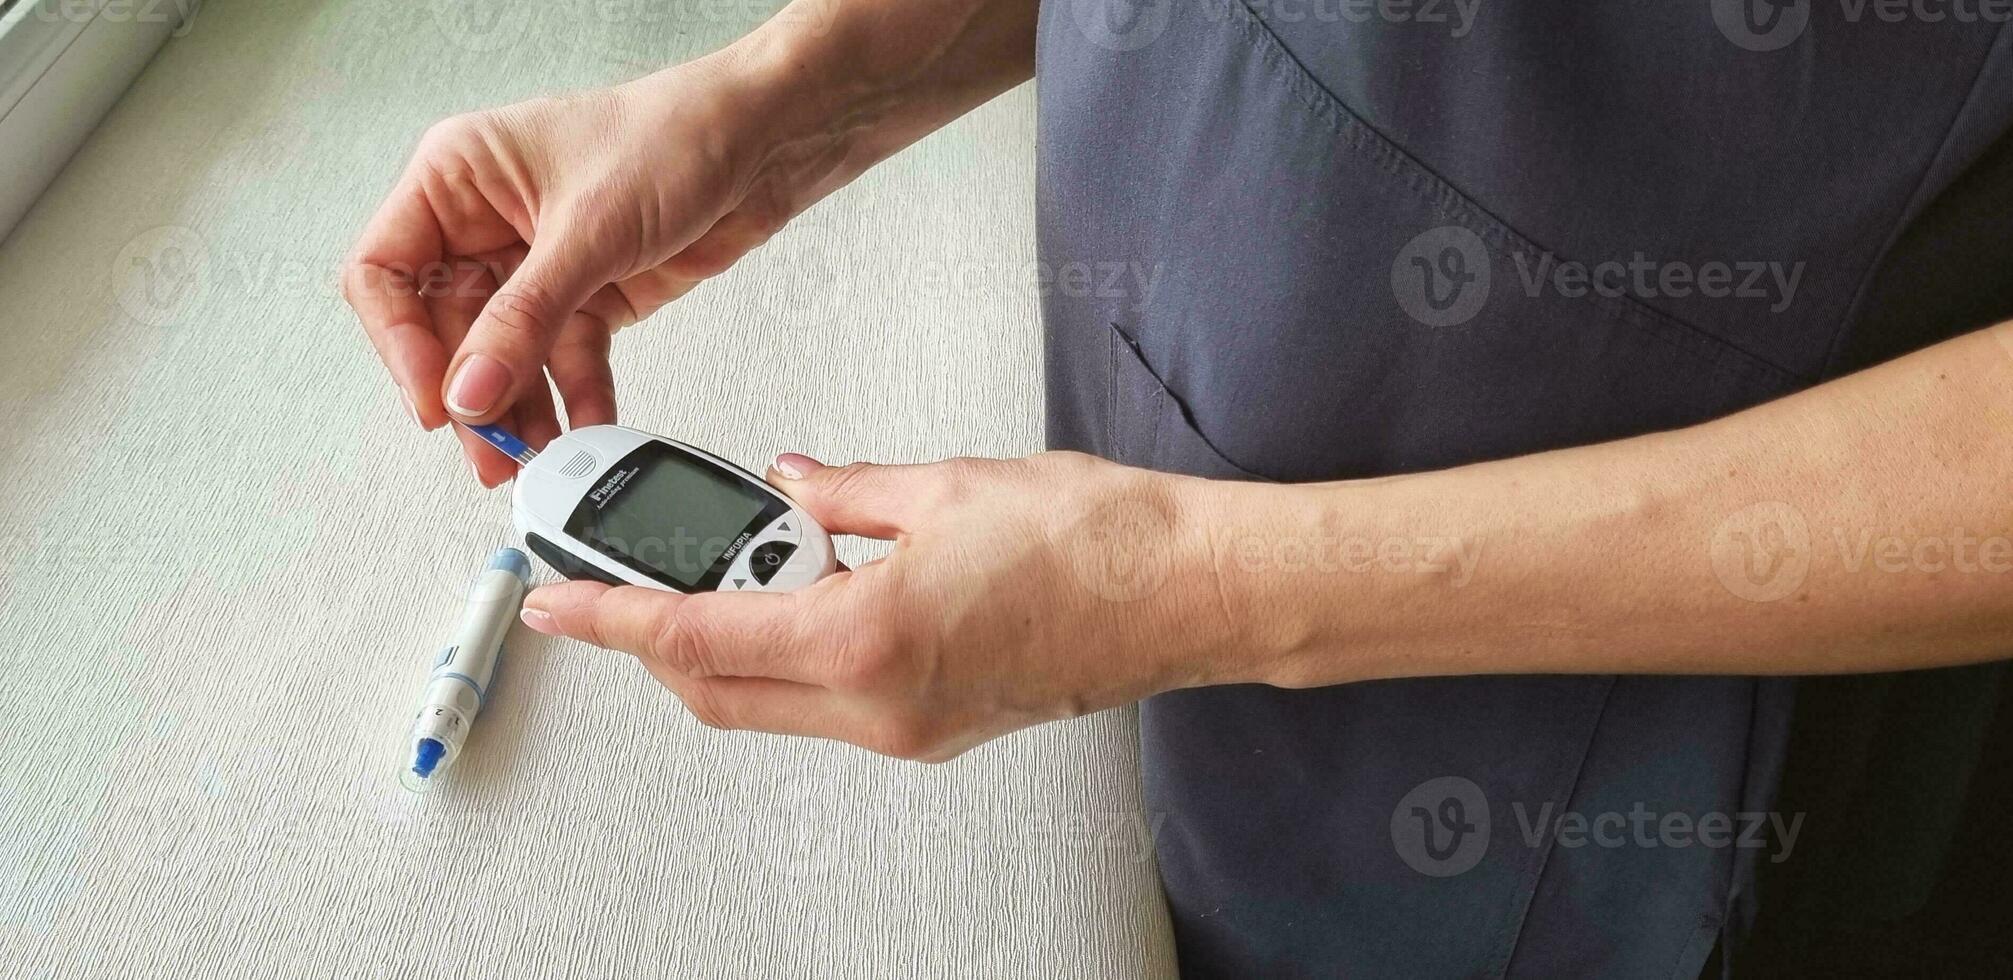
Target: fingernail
{"points": [[539, 620], [797, 466], [410, 408], [481, 380]]}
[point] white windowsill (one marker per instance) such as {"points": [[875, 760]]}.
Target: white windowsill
{"points": [[63, 63]]}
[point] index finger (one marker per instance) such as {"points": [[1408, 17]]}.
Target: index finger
{"points": [[710, 634], [379, 282]]}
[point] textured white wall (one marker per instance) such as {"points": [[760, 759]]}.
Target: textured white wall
{"points": [[227, 556]]}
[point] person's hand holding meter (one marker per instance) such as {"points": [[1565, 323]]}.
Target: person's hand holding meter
{"points": [[1021, 591]]}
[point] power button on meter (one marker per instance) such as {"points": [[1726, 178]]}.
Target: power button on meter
{"points": [[766, 559]]}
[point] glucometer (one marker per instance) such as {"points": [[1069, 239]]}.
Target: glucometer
{"points": [[611, 504]]}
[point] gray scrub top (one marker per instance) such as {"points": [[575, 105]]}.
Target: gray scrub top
{"points": [[1293, 241]]}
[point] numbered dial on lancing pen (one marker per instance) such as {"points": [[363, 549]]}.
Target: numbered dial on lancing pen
{"points": [[616, 505]]}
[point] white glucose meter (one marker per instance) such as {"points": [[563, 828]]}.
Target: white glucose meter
{"points": [[615, 505]]}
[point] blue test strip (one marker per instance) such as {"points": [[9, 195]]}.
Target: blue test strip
{"points": [[501, 438]]}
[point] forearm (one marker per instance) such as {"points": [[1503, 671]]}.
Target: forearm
{"points": [[829, 88], [1862, 525]]}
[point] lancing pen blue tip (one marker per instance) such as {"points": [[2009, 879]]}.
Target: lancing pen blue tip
{"points": [[463, 670]]}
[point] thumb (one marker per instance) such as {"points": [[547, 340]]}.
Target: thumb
{"points": [[867, 499], [506, 348]]}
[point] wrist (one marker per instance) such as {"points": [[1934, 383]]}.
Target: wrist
{"points": [[1227, 617], [1330, 583], [825, 89], [1249, 552], [798, 86], [764, 121]]}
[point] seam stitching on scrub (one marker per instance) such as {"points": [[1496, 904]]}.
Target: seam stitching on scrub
{"points": [[1515, 928], [1456, 205], [1916, 204], [1180, 404], [1111, 398], [1753, 796], [1704, 920]]}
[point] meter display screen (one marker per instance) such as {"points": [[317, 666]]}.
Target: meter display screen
{"points": [[672, 516]]}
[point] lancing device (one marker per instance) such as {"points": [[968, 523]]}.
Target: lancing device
{"points": [[463, 670]]}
